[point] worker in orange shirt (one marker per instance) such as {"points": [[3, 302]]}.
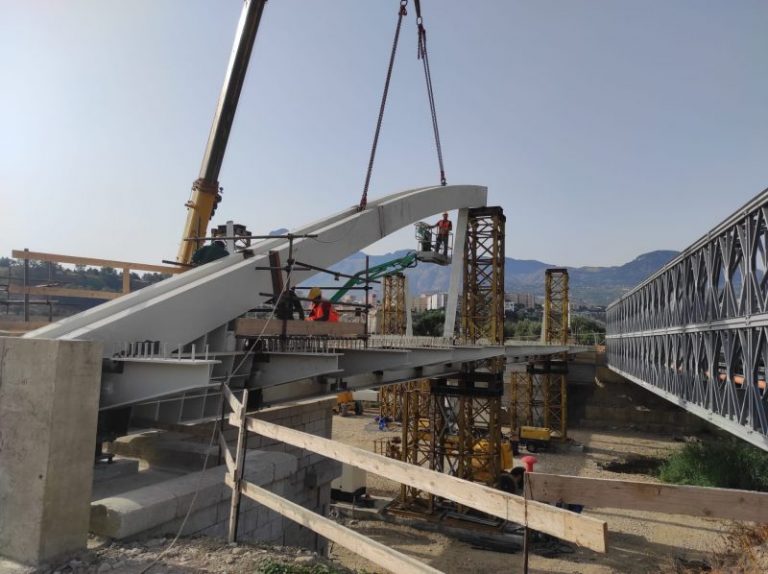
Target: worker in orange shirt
{"points": [[321, 310], [444, 228]]}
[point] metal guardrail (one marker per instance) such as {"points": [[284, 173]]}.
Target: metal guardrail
{"points": [[696, 331]]}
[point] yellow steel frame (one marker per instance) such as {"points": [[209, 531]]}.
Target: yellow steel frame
{"points": [[393, 311], [556, 306]]}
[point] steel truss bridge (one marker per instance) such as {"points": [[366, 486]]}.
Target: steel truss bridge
{"points": [[696, 332]]}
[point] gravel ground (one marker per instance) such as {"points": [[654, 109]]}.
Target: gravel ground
{"points": [[639, 542], [188, 555]]}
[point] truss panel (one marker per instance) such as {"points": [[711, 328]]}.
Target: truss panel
{"points": [[482, 308], [696, 332], [556, 306], [393, 302]]}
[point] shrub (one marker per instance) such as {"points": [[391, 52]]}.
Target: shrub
{"points": [[725, 464]]}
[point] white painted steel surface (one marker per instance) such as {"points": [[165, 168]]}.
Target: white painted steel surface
{"points": [[192, 310], [187, 306]]}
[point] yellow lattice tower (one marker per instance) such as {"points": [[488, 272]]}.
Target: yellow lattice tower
{"points": [[393, 311], [418, 439], [549, 378], [556, 306], [482, 309]]}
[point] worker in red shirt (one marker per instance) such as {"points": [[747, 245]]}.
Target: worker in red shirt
{"points": [[321, 310], [444, 228]]}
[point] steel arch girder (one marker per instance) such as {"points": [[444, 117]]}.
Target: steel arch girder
{"points": [[185, 307]]}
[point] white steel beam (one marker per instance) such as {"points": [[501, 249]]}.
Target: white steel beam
{"points": [[457, 273], [187, 306]]}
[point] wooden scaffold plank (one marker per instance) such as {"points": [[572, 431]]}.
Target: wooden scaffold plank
{"points": [[632, 495], [376, 552], [582, 530]]}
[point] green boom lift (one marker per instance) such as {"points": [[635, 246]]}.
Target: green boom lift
{"points": [[376, 272]]}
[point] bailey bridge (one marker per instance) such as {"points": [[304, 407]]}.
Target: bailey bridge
{"points": [[696, 331]]}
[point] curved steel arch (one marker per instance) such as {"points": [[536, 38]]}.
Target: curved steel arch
{"points": [[185, 307]]}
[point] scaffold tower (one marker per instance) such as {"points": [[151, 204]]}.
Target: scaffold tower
{"points": [[539, 397], [393, 305], [482, 306], [556, 306]]}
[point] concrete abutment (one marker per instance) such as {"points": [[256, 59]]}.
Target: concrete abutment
{"points": [[49, 400]]}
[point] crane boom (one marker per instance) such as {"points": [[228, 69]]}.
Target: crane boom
{"points": [[375, 272], [205, 190]]}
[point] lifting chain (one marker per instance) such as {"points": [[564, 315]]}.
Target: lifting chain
{"points": [[402, 12], [424, 57]]}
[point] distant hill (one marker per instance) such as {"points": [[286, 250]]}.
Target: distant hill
{"points": [[589, 285]]}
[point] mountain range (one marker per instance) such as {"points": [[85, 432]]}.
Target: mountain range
{"points": [[588, 285]]}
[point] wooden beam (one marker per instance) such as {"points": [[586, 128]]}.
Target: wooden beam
{"points": [[230, 462], [582, 530], [258, 327], [237, 473], [669, 499], [93, 262], [64, 292], [126, 280], [378, 553], [231, 399]]}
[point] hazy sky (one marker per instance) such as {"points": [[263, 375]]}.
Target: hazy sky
{"points": [[604, 128]]}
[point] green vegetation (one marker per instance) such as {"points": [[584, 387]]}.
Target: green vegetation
{"points": [[77, 277], [724, 463], [522, 329], [586, 331], [429, 323], [274, 567]]}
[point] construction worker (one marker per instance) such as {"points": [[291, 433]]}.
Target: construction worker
{"points": [[288, 304], [321, 310], [208, 253], [444, 228]]}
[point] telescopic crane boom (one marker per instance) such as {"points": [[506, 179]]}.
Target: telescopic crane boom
{"points": [[206, 193]]}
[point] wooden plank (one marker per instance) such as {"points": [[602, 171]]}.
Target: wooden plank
{"points": [[230, 397], [63, 292], [258, 327], [582, 530], [376, 552], [93, 262], [126, 280], [669, 499], [230, 462], [237, 474]]}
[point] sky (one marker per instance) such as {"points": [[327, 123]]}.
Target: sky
{"points": [[604, 129]]}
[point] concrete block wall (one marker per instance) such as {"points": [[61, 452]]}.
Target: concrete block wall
{"points": [[298, 475], [310, 485]]}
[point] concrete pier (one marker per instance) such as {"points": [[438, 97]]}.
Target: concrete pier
{"points": [[49, 398]]}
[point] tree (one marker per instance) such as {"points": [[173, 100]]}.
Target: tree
{"points": [[430, 323]]}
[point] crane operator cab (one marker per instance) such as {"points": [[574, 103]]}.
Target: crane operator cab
{"points": [[435, 245]]}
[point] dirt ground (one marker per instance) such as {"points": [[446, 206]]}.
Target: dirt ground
{"points": [[639, 542], [188, 556]]}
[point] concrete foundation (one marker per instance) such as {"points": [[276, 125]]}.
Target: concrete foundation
{"points": [[49, 398]]}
